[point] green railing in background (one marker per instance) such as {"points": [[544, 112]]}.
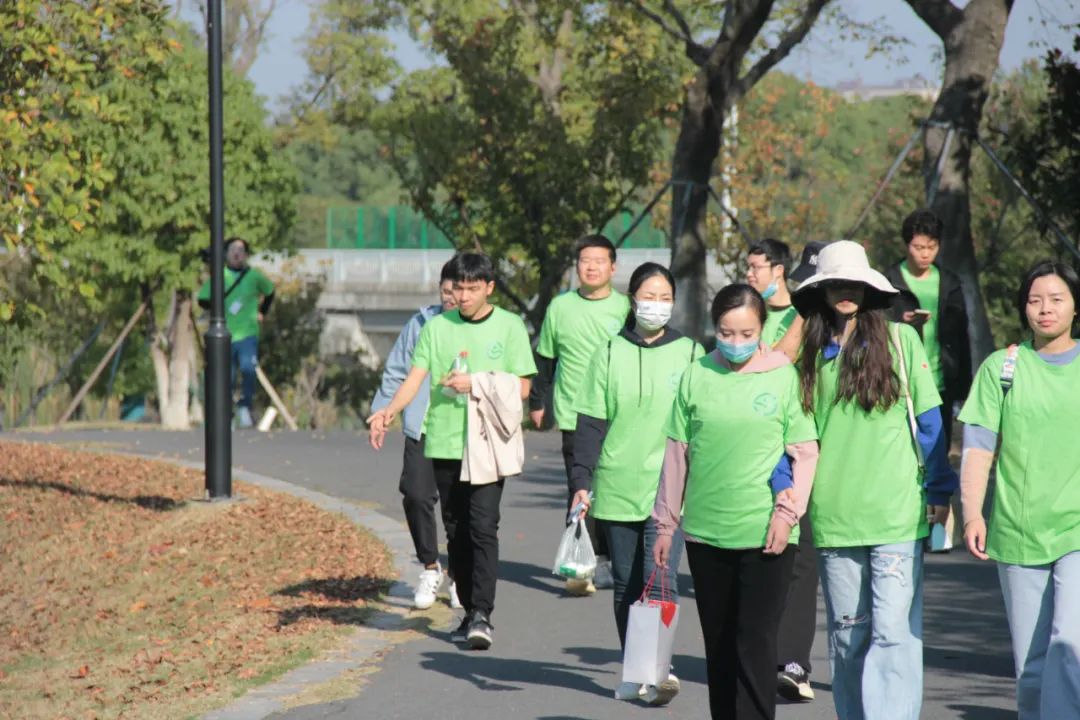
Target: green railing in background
{"points": [[400, 227]]}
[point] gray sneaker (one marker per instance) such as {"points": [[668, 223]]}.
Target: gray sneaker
{"points": [[481, 633], [462, 632], [243, 417]]}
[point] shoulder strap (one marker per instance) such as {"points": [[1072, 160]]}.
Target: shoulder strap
{"points": [[1008, 368], [905, 387], [236, 282]]}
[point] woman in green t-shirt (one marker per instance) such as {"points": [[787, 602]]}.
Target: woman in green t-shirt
{"points": [[619, 445], [736, 415], [883, 469], [1029, 397]]}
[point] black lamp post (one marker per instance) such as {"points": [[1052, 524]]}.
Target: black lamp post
{"points": [[218, 341]]}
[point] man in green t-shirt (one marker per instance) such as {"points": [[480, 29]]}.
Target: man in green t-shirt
{"points": [[248, 294], [767, 266], [932, 300], [474, 337], [576, 323]]}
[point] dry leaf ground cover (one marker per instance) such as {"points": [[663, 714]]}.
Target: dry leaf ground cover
{"points": [[121, 596]]}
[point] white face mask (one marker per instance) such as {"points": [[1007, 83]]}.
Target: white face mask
{"points": [[651, 315]]}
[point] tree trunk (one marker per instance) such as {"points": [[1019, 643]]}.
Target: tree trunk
{"points": [[972, 46], [696, 151], [171, 357]]}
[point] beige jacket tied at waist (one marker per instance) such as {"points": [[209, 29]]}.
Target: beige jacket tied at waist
{"points": [[494, 444]]}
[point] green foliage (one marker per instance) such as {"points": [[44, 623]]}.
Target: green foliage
{"points": [[59, 123], [543, 122]]}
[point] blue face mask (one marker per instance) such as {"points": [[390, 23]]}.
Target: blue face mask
{"points": [[769, 291], [737, 352]]}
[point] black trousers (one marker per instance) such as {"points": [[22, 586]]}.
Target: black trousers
{"points": [[799, 622], [419, 494], [947, 401], [472, 534], [740, 598], [599, 542]]}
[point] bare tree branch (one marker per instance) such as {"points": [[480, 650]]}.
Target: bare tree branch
{"points": [[695, 51], [941, 16], [786, 44]]}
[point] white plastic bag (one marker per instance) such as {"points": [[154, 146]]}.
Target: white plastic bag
{"points": [[650, 639], [575, 557]]}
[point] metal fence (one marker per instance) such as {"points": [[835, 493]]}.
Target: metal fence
{"points": [[401, 228]]}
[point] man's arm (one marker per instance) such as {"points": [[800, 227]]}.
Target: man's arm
{"points": [[398, 363]]}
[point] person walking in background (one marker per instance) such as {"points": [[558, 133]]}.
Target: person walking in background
{"points": [[931, 300], [798, 625], [489, 340], [623, 401], [767, 265], [576, 324], [417, 485], [876, 406], [1028, 397], [736, 411], [248, 294]]}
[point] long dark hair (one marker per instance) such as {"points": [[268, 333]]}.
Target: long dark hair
{"points": [[866, 370], [641, 273]]}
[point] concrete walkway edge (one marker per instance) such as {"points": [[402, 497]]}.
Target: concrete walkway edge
{"points": [[364, 644]]}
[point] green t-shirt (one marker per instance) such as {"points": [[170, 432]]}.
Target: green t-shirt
{"points": [[927, 292], [868, 488], [736, 426], [573, 328], [632, 388], [777, 323], [497, 343], [1036, 513], [242, 304]]}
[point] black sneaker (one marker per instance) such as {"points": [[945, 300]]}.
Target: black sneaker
{"points": [[793, 683], [481, 633], [461, 633]]}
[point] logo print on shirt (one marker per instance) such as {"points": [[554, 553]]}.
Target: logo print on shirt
{"points": [[765, 404], [614, 325], [495, 350], [674, 380]]}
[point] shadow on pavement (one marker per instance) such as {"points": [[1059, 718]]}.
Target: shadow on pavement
{"points": [[975, 712], [508, 674], [530, 576]]}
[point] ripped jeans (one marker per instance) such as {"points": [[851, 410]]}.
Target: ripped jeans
{"points": [[874, 607]]}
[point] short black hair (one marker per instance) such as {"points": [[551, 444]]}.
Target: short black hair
{"points": [[242, 241], [922, 222], [738, 295], [777, 252], [447, 272], [589, 241], [470, 267], [1042, 269]]}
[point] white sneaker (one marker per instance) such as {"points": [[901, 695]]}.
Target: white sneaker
{"points": [[243, 417], [629, 691], [602, 578], [454, 601], [427, 586], [663, 693]]}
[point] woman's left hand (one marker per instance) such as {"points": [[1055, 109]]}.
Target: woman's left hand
{"points": [[777, 539]]}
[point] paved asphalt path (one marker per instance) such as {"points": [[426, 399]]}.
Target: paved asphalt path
{"points": [[556, 657]]}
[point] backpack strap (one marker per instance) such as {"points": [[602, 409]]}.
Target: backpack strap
{"points": [[1008, 368]]}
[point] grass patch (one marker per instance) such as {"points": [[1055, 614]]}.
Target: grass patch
{"points": [[122, 597]]}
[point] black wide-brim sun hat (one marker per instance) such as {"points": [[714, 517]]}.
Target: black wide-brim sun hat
{"points": [[843, 261]]}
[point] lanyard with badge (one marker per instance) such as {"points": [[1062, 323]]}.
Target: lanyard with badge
{"points": [[237, 305]]}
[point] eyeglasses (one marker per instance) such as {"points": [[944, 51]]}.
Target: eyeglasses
{"points": [[757, 268], [588, 262]]}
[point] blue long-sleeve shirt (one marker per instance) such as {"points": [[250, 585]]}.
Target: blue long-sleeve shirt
{"points": [[398, 364]]}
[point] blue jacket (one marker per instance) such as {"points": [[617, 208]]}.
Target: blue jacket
{"points": [[398, 364]]}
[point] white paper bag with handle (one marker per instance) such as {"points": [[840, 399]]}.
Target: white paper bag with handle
{"points": [[650, 638]]}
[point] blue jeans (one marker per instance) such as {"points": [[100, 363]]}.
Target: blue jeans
{"points": [[245, 357], [873, 606], [1043, 606], [630, 547]]}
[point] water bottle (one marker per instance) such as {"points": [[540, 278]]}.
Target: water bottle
{"points": [[460, 365]]}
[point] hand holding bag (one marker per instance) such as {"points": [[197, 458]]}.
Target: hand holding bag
{"points": [[575, 558], [650, 636]]}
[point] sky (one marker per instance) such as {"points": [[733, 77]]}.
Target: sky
{"points": [[824, 57]]}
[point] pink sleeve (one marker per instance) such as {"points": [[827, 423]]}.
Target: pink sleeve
{"points": [[804, 457], [667, 511]]}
